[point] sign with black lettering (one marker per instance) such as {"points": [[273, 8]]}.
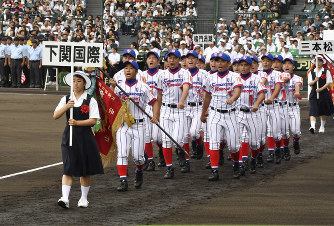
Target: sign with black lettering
{"points": [[316, 47], [203, 39], [72, 54]]}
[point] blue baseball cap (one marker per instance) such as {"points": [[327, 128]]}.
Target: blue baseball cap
{"points": [[278, 57], [200, 57], [235, 61], [255, 59], [131, 52], [133, 63], [224, 56], [247, 59], [268, 55], [192, 52], [213, 56], [289, 59], [152, 52], [174, 52]]}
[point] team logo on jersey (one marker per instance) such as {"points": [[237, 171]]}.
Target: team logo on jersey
{"points": [[143, 79]]}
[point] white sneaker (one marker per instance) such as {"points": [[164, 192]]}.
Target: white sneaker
{"points": [[321, 129], [64, 203], [83, 203]]}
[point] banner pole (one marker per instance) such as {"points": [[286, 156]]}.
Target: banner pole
{"points": [[316, 62], [71, 110]]}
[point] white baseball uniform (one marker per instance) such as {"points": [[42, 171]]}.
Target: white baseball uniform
{"points": [[293, 109], [152, 131], [133, 136], [172, 118], [119, 77], [222, 118]]}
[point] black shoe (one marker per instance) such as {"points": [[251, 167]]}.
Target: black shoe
{"points": [[139, 179], [186, 167], [123, 186], [242, 170], [221, 157], [162, 162], [146, 162], [270, 158], [312, 130], [194, 147], [252, 168], [246, 164], [214, 176], [169, 173], [182, 158], [296, 147], [236, 170], [208, 165], [229, 158], [278, 155], [286, 154], [200, 151], [151, 166], [259, 162]]}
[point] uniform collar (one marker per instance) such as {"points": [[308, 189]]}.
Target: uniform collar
{"points": [[83, 96]]}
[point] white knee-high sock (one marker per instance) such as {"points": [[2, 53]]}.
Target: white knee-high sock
{"points": [[313, 124], [66, 191], [323, 122], [84, 192]]}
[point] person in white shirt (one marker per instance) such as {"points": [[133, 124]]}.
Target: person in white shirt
{"points": [[209, 51], [270, 46], [254, 7], [222, 46], [285, 53], [183, 50], [114, 59]]}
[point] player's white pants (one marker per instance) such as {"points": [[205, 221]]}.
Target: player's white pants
{"points": [[133, 137], [284, 121], [152, 132], [249, 121], [221, 125], [274, 121], [172, 121], [193, 123], [262, 120], [294, 120]]}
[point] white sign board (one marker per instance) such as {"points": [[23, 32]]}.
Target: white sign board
{"points": [[72, 54], [203, 39], [316, 47]]}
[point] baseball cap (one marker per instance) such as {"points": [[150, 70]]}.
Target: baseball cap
{"points": [[182, 42], [289, 59], [130, 51], [247, 59], [213, 56], [192, 52], [174, 52], [224, 56], [200, 57], [286, 46], [133, 63], [228, 46], [197, 46], [152, 52], [278, 57], [235, 61], [255, 59], [268, 55]]}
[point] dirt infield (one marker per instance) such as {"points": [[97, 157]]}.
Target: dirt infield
{"points": [[300, 191]]}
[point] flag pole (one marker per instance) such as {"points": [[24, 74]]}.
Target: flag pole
{"points": [[71, 110], [316, 62], [157, 124]]}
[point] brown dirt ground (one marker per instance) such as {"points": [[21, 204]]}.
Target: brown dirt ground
{"points": [[300, 191]]}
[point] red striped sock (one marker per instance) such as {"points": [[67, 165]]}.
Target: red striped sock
{"points": [[214, 158], [235, 156], [278, 143], [139, 167], [286, 142], [168, 154], [222, 145], [282, 143], [254, 153], [122, 170], [207, 148], [187, 149], [271, 143], [199, 140], [296, 138], [149, 150], [262, 148]]}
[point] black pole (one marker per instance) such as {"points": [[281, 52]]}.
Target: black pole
{"points": [[126, 94]]}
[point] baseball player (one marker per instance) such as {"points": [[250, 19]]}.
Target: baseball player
{"points": [[184, 62], [262, 112], [252, 95], [133, 135], [201, 62], [150, 77], [274, 85], [294, 86], [174, 85], [222, 89], [194, 107], [283, 110], [235, 65]]}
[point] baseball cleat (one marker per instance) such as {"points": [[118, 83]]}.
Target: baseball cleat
{"points": [[242, 170], [312, 130], [259, 162], [186, 167], [322, 129], [151, 166], [229, 158], [252, 168], [296, 147], [182, 158], [246, 164], [270, 157], [214, 176], [64, 203], [278, 155], [123, 186], [236, 170], [286, 154], [139, 179], [194, 148], [169, 173], [83, 203]]}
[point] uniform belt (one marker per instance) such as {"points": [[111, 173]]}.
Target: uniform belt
{"points": [[170, 105], [139, 120], [222, 111], [283, 103], [246, 110], [34, 61], [193, 104], [292, 104], [274, 102], [16, 59]]}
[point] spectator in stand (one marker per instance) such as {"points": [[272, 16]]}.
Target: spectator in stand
{"points": [[270, 46], [296, 23], [254, 7], [285, 53], [113, 60]]}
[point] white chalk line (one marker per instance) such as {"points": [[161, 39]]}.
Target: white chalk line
{"points": [[31, 170], [26, 94]]}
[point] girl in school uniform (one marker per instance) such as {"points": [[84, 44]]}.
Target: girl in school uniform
{"points": [[82, 159], [322, 106]]}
